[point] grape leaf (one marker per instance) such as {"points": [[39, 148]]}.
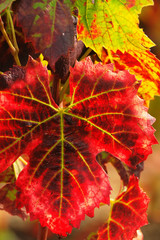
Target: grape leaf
{"points": [[8, 194], [4, 4], [100, 25], [118, 108], [128, 213], [62, 180], [145, 66], [48, 25]]}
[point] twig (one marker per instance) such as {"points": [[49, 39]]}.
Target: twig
{"points": [[12, 29], [89, 50], [56, 89], [63, 90], [13, 50], [42, 233]]}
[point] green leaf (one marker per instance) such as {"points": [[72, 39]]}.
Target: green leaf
{"points": [[112, 24], [4, 4]]}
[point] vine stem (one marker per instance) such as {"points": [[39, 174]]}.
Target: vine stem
{"points": [[12, 29], [13, 50], [42, 233], [89, 50], [56, 89], [63, 91]]}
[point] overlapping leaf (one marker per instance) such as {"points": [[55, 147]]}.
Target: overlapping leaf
{"points": [[112, 24], [62, 181], [127, 215], [8, 194], [48, 25], [4, 4], [145, 66]]}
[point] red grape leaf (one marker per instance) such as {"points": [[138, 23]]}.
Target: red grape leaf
{"points": [[62, 180], [8, 194], [128, 213], [48, 25], [4, 4], [119, 114], [145, 66]]}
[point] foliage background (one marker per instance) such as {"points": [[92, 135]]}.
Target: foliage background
{"points": [[12, 228]]}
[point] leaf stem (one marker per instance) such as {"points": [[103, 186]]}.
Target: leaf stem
{"points": [[89, 50], [42, 233], [63, 91], [12, 29], [13, 50], [56, 89]]}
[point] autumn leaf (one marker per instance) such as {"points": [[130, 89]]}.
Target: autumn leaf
{"points": [[100, 25], [118, 109], [4, 4], [48, 25], [8, 194], [145, 66], [62, 180], [62, 174], [128, 214]]}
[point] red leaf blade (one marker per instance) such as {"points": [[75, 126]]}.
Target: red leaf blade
{"points": [[62, 173], [127, 215], [112, 111], [62, 143]]}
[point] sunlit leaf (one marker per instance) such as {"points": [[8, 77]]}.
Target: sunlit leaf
{"points": [[145, 66], [128, 214], [62, 180], [112, 24], [48, 25]]}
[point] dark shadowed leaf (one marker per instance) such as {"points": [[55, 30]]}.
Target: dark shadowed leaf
{"points": [[62, 180], [48, 25]]}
